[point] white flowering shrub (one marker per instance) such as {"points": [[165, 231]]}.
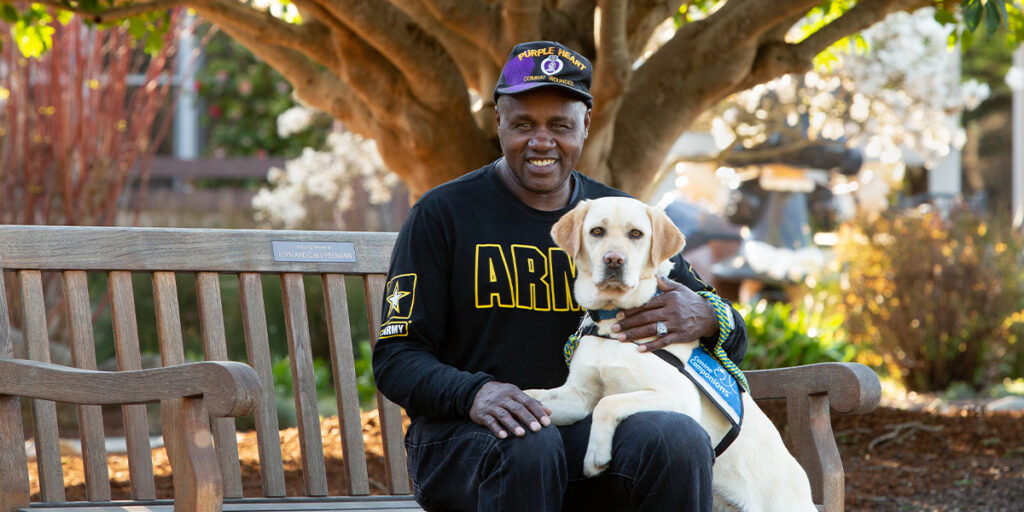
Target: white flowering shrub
{"points": [[315, 189], [902, 96], [1015, 78]]}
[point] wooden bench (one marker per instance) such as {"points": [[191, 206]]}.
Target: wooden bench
{"points": [[51, 265]]}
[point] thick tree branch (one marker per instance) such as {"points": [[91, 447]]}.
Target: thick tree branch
{"points": [[477, 21], [465, 55], [522, 21], [742, 22], [859, 17], [373, 79], [115, 13], [316, 87], [616, 69], [644, 17], [262, 26], [573, 25], [429, 73], [611, 77], [776, 58], [682, 79]]}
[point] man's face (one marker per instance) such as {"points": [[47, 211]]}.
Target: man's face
{"points": [[541, 133]]}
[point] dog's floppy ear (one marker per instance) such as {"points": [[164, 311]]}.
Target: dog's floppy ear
{"points": [[666, 239], [567, 232]]}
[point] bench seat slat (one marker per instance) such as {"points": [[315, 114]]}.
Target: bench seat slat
{"points": [[257, 346], [300, 355], [390, 414], [345, 387], [44, 412], [136, 422], [211, 322], [83, 353]]}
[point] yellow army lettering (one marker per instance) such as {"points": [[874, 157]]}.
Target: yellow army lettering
{"points": [[530, 279]]}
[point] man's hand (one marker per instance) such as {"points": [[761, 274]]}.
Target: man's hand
{"points": [[686, 315], [500, 407]]}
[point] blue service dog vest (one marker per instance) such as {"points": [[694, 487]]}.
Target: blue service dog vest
{"points": [[716, 383]]}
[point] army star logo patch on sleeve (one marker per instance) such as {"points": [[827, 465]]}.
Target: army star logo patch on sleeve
{"points": [[399, 299]]}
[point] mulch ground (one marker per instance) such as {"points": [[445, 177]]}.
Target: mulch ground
{"points": [[895, 460]]}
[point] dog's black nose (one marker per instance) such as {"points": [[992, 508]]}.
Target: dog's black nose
{"points": [[614, 259]]}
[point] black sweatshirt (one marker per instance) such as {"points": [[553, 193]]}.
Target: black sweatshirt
{"points": [[478, 291]]}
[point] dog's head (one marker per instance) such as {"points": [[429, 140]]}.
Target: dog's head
{"points": [[619, 245]]}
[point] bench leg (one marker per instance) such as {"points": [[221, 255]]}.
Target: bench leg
{"points": [[197, 480], [815, 448], [13, 462]]}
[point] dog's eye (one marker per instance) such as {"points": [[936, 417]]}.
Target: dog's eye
{"points": [[635, 234], [598, 231]]}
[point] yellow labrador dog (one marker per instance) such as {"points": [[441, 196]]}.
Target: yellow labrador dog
{"points": [[620, 246]]}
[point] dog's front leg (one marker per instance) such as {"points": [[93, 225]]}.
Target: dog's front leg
{"points": [[568, 404], [574, 400], [609, 412]]}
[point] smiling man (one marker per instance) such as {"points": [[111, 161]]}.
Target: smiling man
{"points": [[478, 306]]}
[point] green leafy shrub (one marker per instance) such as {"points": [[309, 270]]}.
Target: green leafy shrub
{"points": [[364, 376], [243, 97], [285, 396], [324, 381], [935, 298], [782, 334]]}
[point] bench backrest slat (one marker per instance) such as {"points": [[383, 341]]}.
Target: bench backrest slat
{"points": [[390, 414], [172, 351], [83, 355], [211, 322], [345, 384], [44, 412], [14, 484], [257, 347], [168, 318], [215, 258], [136, 422], [300, 355]]}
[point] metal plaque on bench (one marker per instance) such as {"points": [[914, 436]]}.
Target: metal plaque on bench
{"points": [[319, 252]]}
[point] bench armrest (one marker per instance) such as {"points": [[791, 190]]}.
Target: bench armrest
{"points": [[188, 392], [852, 388], [228, 388], [811, 391]]}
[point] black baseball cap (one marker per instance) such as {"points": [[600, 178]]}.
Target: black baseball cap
{"points": [[545, 64]]}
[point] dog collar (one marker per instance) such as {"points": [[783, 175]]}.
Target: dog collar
{"points": [[602, 314]]}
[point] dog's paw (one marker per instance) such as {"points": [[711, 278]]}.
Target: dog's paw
{"points": [[597, 459]]}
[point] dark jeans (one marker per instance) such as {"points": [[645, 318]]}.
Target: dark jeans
{"points": [[661, 461]]}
